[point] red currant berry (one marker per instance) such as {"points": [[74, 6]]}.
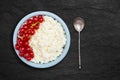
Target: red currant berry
{"points": [[26, 43], [20, 34], [22, 49], [35, 18], [25, 26], [40, 16], [29, 49], [26, 38], [19, 42], [32, 32], [22, 29], [17, 47], [29, 31], [21, 54], [31, 54], [26, 55], [36, 27], [28, 58], [41, 20], [29, 21], [19, 39], [26, 35]]}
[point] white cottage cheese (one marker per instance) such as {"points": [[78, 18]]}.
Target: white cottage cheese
{"points": [[48, 41]]}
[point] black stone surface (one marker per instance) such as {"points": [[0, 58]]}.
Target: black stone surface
{"points": [[100, 40]]}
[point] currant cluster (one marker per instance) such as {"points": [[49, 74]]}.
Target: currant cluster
{"points": [[25, 32]]}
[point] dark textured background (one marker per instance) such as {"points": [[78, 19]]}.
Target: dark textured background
{"points": [[100, 40]]}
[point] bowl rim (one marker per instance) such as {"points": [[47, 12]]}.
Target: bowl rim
{"points": [[65, 50]]}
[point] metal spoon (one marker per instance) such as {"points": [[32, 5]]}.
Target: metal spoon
{"points": [[79, 25]]}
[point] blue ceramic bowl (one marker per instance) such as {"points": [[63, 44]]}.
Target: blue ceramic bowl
{"points": [[66, 48]]}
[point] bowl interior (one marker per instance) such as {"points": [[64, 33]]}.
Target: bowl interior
{"points": [[65, 50]]}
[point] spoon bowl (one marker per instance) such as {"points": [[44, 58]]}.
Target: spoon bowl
{"points": [[79, 24]]}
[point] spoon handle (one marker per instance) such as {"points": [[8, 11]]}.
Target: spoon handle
{"points": [[79, 50]]}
